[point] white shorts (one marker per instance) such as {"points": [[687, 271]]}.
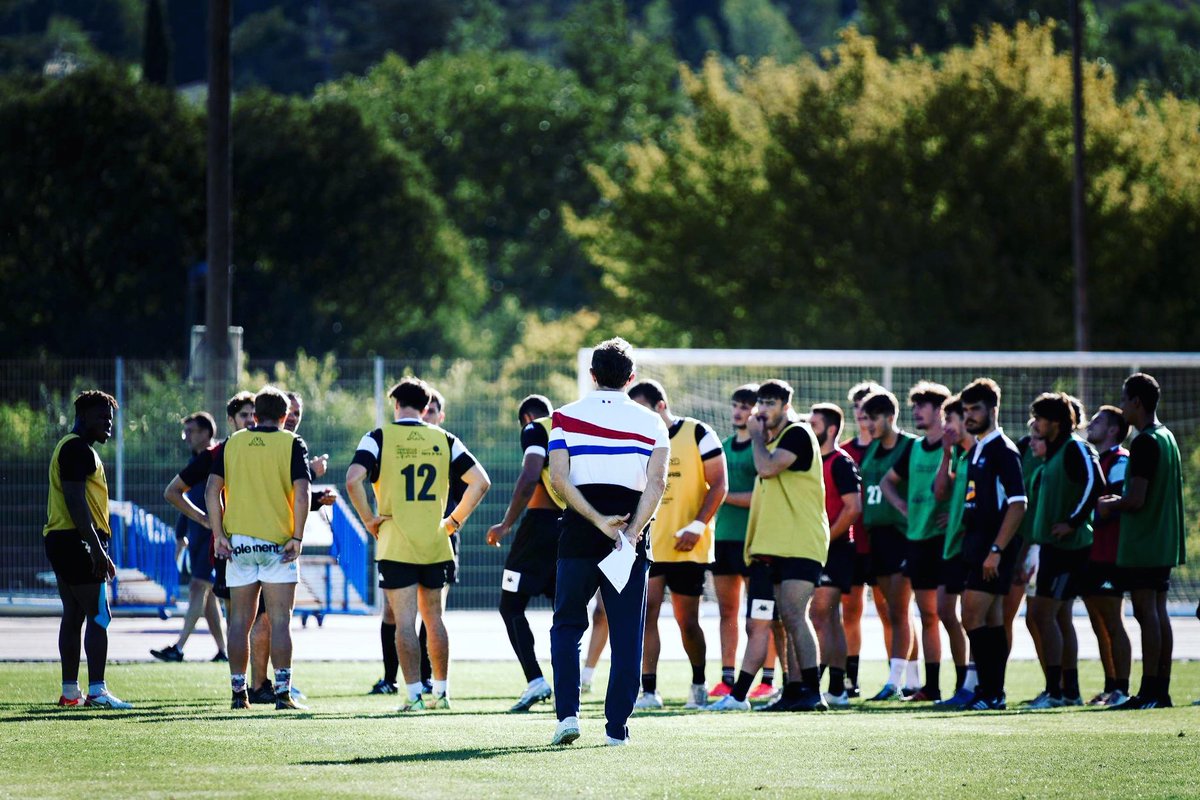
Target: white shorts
{"points": [[258, 561]]}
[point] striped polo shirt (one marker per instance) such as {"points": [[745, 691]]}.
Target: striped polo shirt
{"points": [[609, 439]]}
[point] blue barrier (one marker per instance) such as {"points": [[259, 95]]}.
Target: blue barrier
{"points": [[143, 542], [351, 551]]}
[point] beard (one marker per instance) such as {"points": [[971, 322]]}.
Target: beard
{"points": [[822, 437]]}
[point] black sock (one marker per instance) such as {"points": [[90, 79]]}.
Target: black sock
{"points": [[933, 677], [741, 687], [960, 676], [698, 673], [810, 679], [1145, 685], [852, 669], [649, 682], [768, 677], [1121, 685], [387, 643], [1070, 683], [837, 681], [1054, 681], [1000, 653], [426, 666], [1110, 683], [793, 690], [727, 676], [820, 673], [1164, 687], [980, 645]]}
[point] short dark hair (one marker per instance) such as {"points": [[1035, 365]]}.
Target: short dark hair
{"points": [[1078, 407], [928, 392], [295, 396], [612, 363], [831, 413], [1054, 407], [202, 419], [237, 403], [412, 393], [270, 403], [93, 398], [536, 405], [649, 390], [775, 389], [953, 405], [861, 389], [981, 390], [746, 393], [1143, 387], [1115, 417], [880, 401]]}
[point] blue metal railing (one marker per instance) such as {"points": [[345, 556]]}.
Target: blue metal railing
{"points": [[350, 548], [143, 542]]}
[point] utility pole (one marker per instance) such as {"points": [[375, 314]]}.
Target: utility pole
{"points": [[220, 218], [1078, 240]]}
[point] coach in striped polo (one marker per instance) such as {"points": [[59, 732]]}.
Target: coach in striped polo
{"points": [[608, 461]]}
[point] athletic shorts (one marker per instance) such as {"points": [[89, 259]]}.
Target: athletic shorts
{"points": [[1141, 578], [1061, 573], [954, 574], [1004, 574], [889, 551], [923, 564], [532, 563], [401, 575], [838, 571], [862, 570], [258, 561], [200, 555], [684, 578], [730, 559], [71, 557], [1102, 579]]}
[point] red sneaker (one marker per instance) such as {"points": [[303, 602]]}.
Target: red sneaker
{"points": [[762, 690], [63, 700], [720, 690]]}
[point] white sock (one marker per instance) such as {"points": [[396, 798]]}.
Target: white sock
{"points": [[897, 673], [414, 689], [97, 688], [913, 679], [586, 674], [441, 688], [71, 690], [972, 679]]}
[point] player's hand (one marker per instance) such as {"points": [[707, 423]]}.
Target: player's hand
{"points": [[991, 566], [496, 534], [372, 524], [685, 542], [103, 567], [326, 497], [1104, 506], [319, 464], [1061, 530], [754, 425], [222, 546], [948, 446], [291, 550], [612, 527]]}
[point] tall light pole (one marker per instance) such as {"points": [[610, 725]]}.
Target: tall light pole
{"points": [[220, 218], [1078, 239]]}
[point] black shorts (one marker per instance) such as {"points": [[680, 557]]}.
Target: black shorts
{"points": [[532, 564], [71, 557], [954, 574], [889, 551], [401, 575], [862, 570], [684, 578], [1102, 580], [838, 572], [1157, 579], [765, 572], [1004, 574], [200, 555], [923, 565], [1061, 573], [730, 559]]}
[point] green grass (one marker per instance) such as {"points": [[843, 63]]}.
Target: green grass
{"points": [[183, 741]]}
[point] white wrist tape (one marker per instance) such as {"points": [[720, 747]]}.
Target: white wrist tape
{"points": [[695, 527]]}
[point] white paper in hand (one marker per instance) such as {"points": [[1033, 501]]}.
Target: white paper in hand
{"points": [[617, 566]]}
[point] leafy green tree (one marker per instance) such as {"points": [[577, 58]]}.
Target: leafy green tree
{"points": [[937, 25], [1155, 44]]}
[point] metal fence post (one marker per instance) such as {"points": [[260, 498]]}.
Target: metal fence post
{"points": [[120, 422], [379, 392]]}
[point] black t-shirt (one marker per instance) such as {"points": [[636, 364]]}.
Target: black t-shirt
{"points": [[197, 470], [740, 446], [845, 474], [796, 440], [1143, 457], [535, 435], [76, 461], [902, 464], [299, 469], [994, 481]]}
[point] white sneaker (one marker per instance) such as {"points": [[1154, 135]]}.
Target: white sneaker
{"points": [[697, 697], [837, 700], [106, 699], [611, 742], [728, 703], [537, 692], [567, 731], [648, 700]]}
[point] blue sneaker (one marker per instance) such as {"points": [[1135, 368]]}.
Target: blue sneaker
{"points": [[888, 692], [961, 698]]}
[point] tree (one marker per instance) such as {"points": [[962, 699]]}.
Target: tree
{"points": [[1154, 44], [156, 47], [937, 25]]}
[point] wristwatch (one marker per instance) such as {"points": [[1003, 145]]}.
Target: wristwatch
{"points": [[995, 548]]}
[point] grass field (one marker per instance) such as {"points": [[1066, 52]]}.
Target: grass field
{"points": [[183, 741]]}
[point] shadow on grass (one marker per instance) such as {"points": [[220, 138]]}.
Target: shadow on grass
{"points": [[463, 754]]}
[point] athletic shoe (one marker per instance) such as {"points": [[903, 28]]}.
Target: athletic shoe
{"points": [[220, 658], [106, 699], [922, 696], [1044, 701], [728, 703], [287, 701], [169, 653], [263, 695], [585, 688], [297, 694], [647, 701], [697, 697], [440, 702], [907, 692], [837, 700], [611, 742], [537, 693], [426, 687], [1196, 702], [722, 689], [240, 700], [383, 687], [70, 702], [809, 700], [987, 704], [1165, 701], [1072, 701], [852, 691], [413, 705], [1041, 698], [957, 702], [762, 690], [1138, 703], [888, 692], [1100, 699], [1116, 698], [567, 731], [778, 704]]}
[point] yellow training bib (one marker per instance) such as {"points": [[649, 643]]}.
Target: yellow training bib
{"points": [[787, 512], [413, 486], [686, 488], [259, 493], [58, 517]]}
